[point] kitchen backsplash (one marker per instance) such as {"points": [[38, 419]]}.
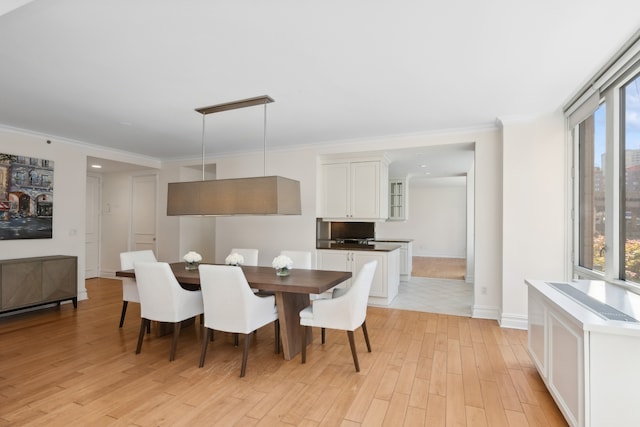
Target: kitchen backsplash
{"points": [[326, 230]]}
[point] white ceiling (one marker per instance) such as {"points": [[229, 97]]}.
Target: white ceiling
{"points": [[128, 74]]}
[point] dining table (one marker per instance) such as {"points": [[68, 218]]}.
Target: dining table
{"points": [[291, 293]]}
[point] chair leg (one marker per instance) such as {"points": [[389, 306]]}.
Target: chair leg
{"points": [[304, 343], [143, 327], [277, 334], [124, 311], [247, 343], [235, 339], [352, 343], [366, 335], [205, 342], [322, 333], [174, 342], [149, 327]]}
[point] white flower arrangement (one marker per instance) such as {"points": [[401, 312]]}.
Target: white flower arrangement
{"points": [[192, 257], [234, 259], [282, 261]]}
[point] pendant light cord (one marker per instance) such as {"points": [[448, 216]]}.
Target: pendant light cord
{"points": [[203, 116], [264, 143]]}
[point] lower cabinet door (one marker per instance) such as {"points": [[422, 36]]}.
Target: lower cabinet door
{"points": [[379, 285], [335, 261]]}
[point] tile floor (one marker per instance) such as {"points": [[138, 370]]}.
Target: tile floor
{"points": [[444, 296]]}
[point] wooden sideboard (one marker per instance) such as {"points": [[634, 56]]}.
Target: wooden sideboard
{"points": [[29, 282]]}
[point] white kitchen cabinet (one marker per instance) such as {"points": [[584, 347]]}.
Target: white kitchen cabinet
{"points": [[406, 259], [588, 363], [335, 261], [398, 209], [386, 279], [405, 255], [354, 190]]}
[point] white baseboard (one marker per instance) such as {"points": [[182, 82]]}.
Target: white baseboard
{"points": [[107, 273], [485, 312], [432, 255], [514, 321]]}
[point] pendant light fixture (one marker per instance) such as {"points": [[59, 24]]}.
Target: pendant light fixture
{"points": [[264, 195]]}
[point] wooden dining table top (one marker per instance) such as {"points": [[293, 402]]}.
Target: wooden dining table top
{"points": [[300, 281]]}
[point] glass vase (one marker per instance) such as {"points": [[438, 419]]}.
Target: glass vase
{"points": [[191, 265]]}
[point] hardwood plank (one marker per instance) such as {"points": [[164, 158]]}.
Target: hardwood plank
{"points": [[435, 267], [419, 393], [475, 417], [376, 412], [406, 378], [436, 410], [397, 410], [456, 414], [494, 410], [359, 405], [438, 382], [516, 419], [454, 363], [416, 417], [472, 389]]}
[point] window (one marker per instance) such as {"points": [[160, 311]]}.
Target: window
{"points": [[630, 143], [592, 153], [607, 201]]}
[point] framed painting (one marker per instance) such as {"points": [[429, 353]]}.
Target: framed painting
{"points": [[26, 197]]}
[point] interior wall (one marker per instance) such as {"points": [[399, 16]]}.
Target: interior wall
{"points": [[116, 209], [270, 234], [471, 226], [437, 220], [197, 233], [534, 212]]}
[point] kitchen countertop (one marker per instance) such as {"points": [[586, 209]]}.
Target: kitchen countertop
{"points": [[393, 240], [378, 247]]}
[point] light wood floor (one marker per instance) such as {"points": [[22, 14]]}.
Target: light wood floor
{"points": [[439, 268], [66, 367]]}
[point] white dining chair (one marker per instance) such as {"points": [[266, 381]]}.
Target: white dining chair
{"points": [[250, 255], [231, 306], [162, 299], [129, 286], [303, 260], [300, 259], [347, 311]]}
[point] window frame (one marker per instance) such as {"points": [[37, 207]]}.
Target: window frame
{"points": [[611, 94]]}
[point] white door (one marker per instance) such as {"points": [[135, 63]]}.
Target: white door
{"points": [[92, 227], [143, 212]]}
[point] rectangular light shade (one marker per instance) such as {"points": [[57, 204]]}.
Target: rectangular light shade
{"points": [[265, 195]]}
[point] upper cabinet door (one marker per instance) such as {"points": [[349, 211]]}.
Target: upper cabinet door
{"points": [[398, 200], [354, 190], [365, 190], [336, 189]]}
